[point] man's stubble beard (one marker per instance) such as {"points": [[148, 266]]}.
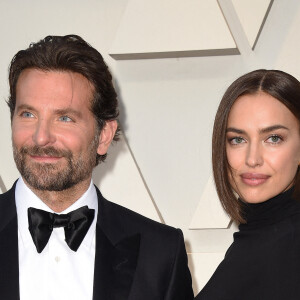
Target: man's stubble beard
{"points": [[54, 177]]}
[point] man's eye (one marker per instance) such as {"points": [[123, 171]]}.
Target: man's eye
{"points": [[27, 114], [65, 119]]}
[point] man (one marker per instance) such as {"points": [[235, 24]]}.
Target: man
{"points": [[59, 238]]}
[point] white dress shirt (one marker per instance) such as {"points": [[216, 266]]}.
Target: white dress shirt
{"points": [[58, 273]]}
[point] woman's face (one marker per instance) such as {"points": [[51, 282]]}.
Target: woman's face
{"points": [[263, 147]]}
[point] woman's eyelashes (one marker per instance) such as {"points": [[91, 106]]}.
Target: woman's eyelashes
{"points": [[237, 140], [273, 139]]}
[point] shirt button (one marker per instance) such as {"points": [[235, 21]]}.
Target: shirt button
{"points": [[57, 259]]}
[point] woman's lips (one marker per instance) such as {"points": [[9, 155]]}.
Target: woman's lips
{"points": [[254, 179]]}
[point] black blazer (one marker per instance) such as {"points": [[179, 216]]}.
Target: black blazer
{"points": [[136, 258]]}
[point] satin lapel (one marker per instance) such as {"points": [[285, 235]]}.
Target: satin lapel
{"points": [[114, 267], [124, 261], [9, 257], [115, 261]]}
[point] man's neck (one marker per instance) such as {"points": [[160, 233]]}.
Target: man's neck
{"points": [[59, 201]]}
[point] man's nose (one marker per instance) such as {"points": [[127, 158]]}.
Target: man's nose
{"points": [[254, 155], [43, 134]]}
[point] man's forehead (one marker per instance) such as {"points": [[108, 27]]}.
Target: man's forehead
{"points": [[48, 75], [59, 81], [54, 85]]}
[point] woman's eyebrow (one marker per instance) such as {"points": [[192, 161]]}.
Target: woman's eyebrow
{"points": [[263, 130], [271, 128], [235, 130]]}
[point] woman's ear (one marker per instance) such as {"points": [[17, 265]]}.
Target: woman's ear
{"points": [[106, 136]]}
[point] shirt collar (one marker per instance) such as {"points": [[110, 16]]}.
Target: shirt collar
{"points": [[25, 198]]}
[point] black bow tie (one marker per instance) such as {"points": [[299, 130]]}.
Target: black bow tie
{"points": [[76, 224]]}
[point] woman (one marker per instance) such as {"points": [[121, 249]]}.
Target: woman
{"points": [[257, 129]]}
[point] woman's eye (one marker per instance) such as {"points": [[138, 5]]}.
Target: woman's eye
{"points": [[274, 139], [27, 114], [65, 119], [237, 140]]}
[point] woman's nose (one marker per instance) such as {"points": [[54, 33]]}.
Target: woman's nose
{"points": [[254, 155]]}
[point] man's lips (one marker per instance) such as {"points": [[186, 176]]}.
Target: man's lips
{"points": [[45, 158], [254, 179]]}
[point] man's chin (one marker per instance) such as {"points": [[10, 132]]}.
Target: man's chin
{"points": [[50, 186], [47, 177]]}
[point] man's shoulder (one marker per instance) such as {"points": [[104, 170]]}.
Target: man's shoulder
{"points": [[137, 219], [160, 238], [7, 206], [130, 221], [7, 195]]}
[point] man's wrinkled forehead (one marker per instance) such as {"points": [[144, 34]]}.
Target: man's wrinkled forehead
{"points": [[54, 84]]}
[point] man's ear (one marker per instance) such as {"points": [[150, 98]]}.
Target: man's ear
{"points": [[106, 136]]}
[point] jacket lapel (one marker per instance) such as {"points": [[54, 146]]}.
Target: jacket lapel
{"points": [[116, 257], [9, 257]]}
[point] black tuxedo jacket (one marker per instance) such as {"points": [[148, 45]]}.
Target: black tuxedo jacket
{"points": [[136, 258]]}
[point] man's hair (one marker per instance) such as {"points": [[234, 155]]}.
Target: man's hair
{"points": [[280, 85], [69, 53]]}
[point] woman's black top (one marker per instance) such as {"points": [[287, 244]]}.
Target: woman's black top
{"points": [[263, 262]]}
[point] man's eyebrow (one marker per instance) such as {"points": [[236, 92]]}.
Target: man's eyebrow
{"points": [[25, 106], [66, 111], [263, 130]]}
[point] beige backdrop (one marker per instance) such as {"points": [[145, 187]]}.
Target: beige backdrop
{"points": [[171, 60]]}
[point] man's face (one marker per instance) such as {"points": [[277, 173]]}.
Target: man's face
{"points": [[54, 134]]}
